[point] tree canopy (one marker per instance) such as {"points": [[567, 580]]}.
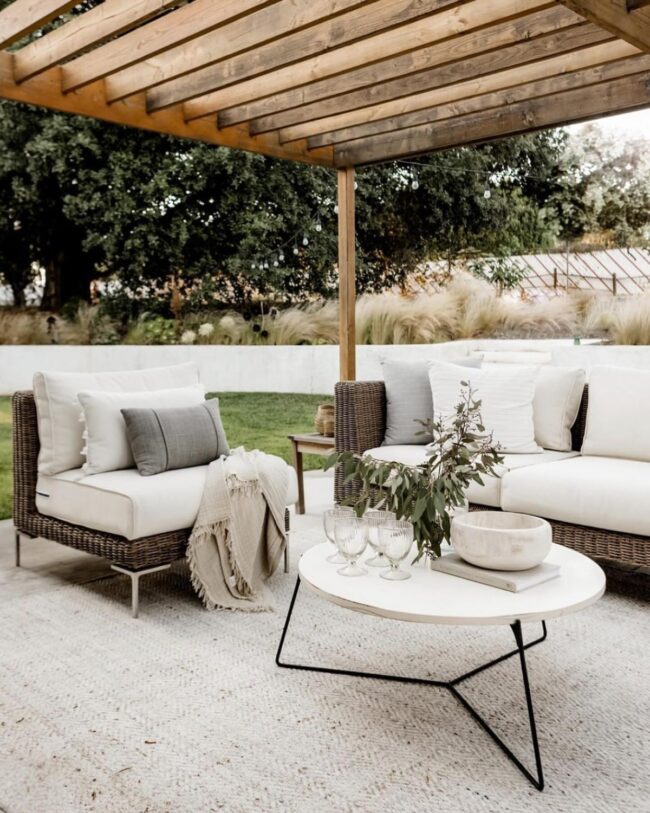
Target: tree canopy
{"points": [[86, 200]]}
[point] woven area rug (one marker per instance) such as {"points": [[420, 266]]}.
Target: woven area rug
{"points": [[185, 711]]}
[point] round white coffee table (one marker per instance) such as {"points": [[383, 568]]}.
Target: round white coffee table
{"points": [[437, 598]]}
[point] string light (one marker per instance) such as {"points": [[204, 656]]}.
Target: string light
{"points": [[305, 241], [318, 226], [487, 194]]}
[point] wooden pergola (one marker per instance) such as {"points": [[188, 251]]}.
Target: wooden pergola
{"points": [[337, 83]]}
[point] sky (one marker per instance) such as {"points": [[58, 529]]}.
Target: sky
{"points": [[628, 125]]}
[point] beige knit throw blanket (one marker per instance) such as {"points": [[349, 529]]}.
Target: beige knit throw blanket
{"points": [[239, 535]]}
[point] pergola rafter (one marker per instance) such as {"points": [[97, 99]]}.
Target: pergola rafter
{"points": [[337, 83]]}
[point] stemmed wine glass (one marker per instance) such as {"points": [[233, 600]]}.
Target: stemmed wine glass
{"points": [[396, 540], [329, 518], [351, 534], [374, 518]]}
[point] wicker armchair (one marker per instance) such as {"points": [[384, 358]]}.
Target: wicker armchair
{"points": [[134, 558], [361, 424]]}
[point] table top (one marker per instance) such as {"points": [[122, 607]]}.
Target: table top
{"points": [[314, 438], [438, 598]]}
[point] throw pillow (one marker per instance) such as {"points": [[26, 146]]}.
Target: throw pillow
{"points": [[166, 439], [506, 394], [409, 400], [617, 414], [57, 406], [558, 394], [107, 445]]}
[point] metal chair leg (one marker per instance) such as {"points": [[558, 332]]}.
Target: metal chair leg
{"points": [[17, 549], [135, 575], [286, 555]]}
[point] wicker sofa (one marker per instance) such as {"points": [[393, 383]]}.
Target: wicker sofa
{"points": [[134, 558], [361, 424]]}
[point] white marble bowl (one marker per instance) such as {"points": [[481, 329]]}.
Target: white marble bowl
{"points": [[499, 540]]}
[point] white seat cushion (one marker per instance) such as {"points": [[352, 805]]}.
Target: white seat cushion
{"points": [[126, 503], [600, 492], [488, 494]]}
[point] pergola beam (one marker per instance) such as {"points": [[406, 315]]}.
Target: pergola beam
{"points": [[488, 83], [237, 41], [45, 91], [443, 114], [22, 17], [156, 37], [112, 18], [618, 96], [446, 24], [478, 74], [497, 41], [630, 23]]}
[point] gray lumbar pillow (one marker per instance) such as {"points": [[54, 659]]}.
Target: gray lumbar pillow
{"points": [[409, 399], [175, 437]]}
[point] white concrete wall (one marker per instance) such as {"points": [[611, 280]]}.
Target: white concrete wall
{"points": [[303, 369]]}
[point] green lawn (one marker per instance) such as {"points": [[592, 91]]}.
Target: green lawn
{"points": [[254, 420]]}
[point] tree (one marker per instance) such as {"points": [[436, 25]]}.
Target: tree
{"points": [[97, 201], [604, 191]]}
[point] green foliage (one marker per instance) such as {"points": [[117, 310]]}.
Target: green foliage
{"points": [[85, 199], [498, 271], [252, 419], [603, 195], [427, 495], [151, 329]]}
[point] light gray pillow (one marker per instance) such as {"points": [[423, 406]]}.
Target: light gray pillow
{"points": [[409, 399], [175, 437]]}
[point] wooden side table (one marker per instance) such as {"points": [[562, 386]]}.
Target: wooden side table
{"points": [[307, 444]]}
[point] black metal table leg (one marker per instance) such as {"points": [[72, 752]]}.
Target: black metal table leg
{"points": [[451, 686]]}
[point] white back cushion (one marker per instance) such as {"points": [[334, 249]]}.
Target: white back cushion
{"points": [[558, 393], [58, 409], [617, 415], [506, 394], [107, 445]]}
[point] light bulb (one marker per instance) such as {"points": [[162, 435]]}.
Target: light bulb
{"points": [[296, 251], [266, 265], [275, 264], [318, 226], [305, 241], [487, 194], [281, 257], [336, 210], [415, 185], [253, 266]]}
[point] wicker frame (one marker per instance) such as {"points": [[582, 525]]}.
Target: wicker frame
{"points": [[361, 423], [133, 555]]}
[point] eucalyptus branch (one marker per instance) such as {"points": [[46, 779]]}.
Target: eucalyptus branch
{"points": [[461, 453]]}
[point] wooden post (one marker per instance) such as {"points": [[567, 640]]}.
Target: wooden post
{"points": [[614, 284], [347, 290]]}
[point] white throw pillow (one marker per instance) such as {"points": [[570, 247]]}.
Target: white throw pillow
{"points": [[107, 445], [506, 394], [558, 394], [57, 406], [617, 415]]}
